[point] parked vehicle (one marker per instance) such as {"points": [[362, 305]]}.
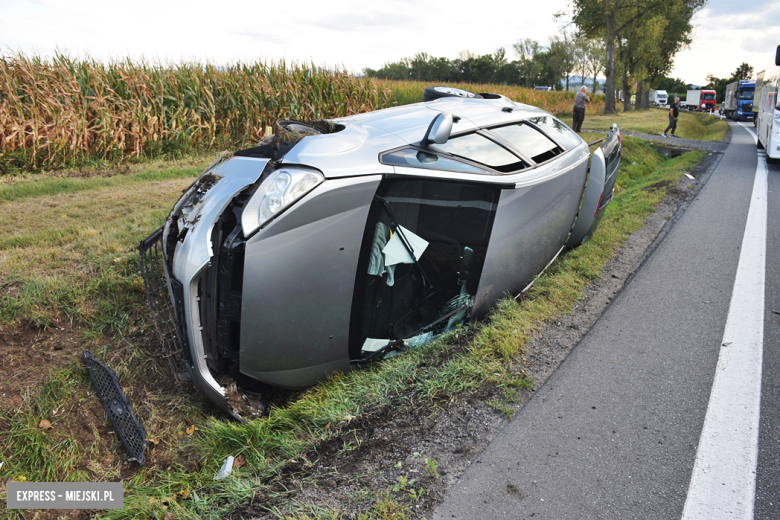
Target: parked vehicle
{"points": [[757, 95], [659, 98], [768, 110], [340, 242], [701, 100], [739, 100], [543, 88]]}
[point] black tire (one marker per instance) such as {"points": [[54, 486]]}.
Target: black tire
{"points": [[759, 145], [437, 92]]}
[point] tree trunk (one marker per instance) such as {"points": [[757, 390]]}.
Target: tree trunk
{"points": [[595, 84], [626, 93], [640, 96], [609, 86]]}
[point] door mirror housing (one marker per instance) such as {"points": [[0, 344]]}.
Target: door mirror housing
{"points": [[439, 129]]}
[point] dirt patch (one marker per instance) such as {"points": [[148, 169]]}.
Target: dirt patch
{"points": [[432, 444], [28, 353]]}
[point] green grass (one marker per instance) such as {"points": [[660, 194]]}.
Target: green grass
{"points": [[86, 269], [691, 125]]}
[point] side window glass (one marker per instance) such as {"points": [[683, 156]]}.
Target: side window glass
{"points": [[420, 159], [480, 149], [560, 133], [529, 141]]}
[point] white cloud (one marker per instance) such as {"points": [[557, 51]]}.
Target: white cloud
{"points": [[351, 33], [728, 34]]}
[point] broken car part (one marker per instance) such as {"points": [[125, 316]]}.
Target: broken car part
{"points": [[119, 410]]}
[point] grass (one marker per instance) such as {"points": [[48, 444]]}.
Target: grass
{"points": [[691, 125], [72, 258]]}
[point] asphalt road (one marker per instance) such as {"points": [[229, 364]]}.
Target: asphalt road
{"points": [[614, 432]]}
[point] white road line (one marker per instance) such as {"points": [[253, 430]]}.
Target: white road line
{"points": [[724, 474]]}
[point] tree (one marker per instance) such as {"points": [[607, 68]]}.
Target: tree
{"points": [[562, 55], [744, 71], [609, 19], [530, 65], [593, 58]]}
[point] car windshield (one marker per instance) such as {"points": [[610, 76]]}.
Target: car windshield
{"points": [[482, 150], [559, 132], [746, 94], [528, 141], [708, 96]]}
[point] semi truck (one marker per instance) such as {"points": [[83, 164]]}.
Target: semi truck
{"points": [[768, 110], [757, 96], [659, 98], [738, 104], [701, 100]]}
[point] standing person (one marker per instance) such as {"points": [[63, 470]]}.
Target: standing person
{"points": [[674, 111], [579, 108]]}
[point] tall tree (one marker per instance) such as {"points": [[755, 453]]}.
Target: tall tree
{"points": [[562, 54], [610, 18], [744, 71], [528, 51]]}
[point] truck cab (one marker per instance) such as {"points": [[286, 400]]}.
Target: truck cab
{"points": [[739, 100]]}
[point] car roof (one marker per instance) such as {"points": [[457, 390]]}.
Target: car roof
{"points": [[355, 149]]}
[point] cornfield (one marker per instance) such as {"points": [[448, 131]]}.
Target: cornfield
{"points": [[558, 103], [66, 111]]}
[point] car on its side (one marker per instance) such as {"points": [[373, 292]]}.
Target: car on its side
{"points": [[340, 242]]}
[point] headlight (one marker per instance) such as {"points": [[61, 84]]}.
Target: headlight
{"points": [[277, 192]]}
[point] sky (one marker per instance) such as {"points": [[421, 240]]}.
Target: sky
{"points": [[349, 33]]}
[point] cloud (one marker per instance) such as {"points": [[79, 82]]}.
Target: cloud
{"points": [[762, 44]]}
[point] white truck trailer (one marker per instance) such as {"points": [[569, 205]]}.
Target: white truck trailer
{"points": [[659, 98], [768, 110]]}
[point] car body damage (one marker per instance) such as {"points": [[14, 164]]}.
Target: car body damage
{"points": [[338, 243]]}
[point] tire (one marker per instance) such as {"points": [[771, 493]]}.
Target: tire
{"points": [[759, 145], [437, 92]]}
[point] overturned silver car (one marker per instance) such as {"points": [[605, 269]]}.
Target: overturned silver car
{"points": [[339, 242]]}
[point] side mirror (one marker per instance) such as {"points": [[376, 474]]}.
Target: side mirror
{"points": [[777, 56], [439, 129]]}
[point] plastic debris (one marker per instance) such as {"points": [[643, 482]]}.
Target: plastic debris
{"points": [[689, 176], [226, 469]]}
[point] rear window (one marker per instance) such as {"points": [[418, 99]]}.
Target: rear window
{"points": [[528, 141], [560, 133], [480, 149]]}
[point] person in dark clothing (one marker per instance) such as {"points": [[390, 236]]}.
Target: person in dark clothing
{"points": [[579, 108], [674, 112]]}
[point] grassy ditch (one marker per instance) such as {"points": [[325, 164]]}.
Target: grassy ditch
{"points": [[691, 125], [70, 278]]}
